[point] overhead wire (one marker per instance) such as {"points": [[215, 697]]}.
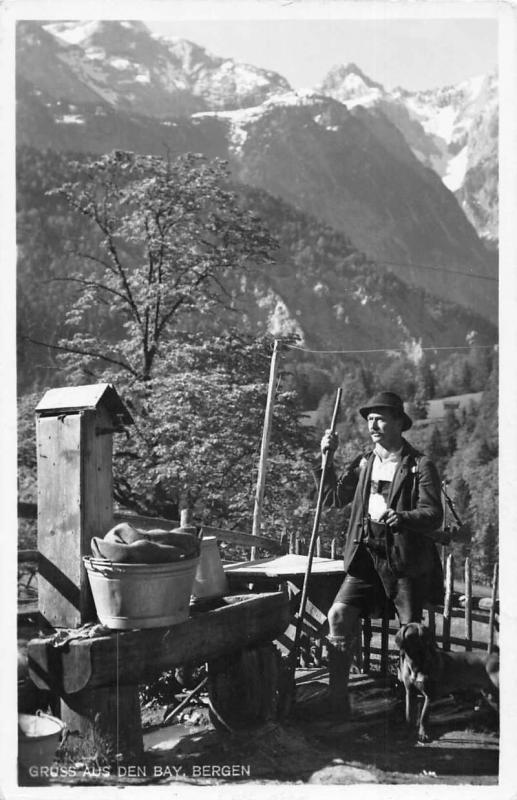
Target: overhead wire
{"points": [[436, 269], [388, 349]]}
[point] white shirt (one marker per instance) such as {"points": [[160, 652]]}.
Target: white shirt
{"points": [[383, 471]]}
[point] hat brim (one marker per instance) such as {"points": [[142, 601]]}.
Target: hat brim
{"points": [[407, 421]]}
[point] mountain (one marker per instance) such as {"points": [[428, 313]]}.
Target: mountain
{"points": [[320, 287], [95, 87], [453, 130], [353, 170], [123, 64]]}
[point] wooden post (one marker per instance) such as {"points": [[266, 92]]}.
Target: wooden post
{"points": [[367, 634], [318, 547], [447, 604], [74, 428], [385, 636], [468, 605], [333, 546], [105, 723], [491, 619], [266, 433]]}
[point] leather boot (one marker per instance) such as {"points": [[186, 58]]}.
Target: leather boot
{"points": [[334, 702], [340, 656]]}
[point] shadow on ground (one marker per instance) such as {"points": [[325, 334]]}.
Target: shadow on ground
{"points": [[376, 748]]}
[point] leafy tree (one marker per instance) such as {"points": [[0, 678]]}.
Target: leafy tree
{"points": [[167, 236], [169, 239]]}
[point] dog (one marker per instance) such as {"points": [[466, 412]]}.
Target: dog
{"points": [[425, 669]]}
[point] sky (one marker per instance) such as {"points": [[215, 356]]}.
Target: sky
{"points": [[413, 54]]}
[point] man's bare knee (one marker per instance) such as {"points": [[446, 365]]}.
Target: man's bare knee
{"points": [[342, 619]]}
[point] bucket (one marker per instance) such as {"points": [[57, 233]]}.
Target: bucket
{"points": [[210, 580], [141, 595], [38, 739]]}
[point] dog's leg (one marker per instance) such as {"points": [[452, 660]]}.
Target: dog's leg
{"points": [[423, 736]]}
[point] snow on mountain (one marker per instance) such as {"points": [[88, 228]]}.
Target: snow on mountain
{"points": [[442, 126], [357, 161], [159, 76]]}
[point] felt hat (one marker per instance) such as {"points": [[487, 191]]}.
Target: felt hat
{"points": [[388, 400]]}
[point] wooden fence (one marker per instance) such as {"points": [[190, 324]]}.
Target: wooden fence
{"points": [[452, 623], [456, 624]]}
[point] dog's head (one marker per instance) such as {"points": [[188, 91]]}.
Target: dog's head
{"points": [[417, 649]]}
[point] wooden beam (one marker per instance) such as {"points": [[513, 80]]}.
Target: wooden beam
{"points": [[128, 657], [491, 621], [447, 604], [468, 605], [222, 534]]}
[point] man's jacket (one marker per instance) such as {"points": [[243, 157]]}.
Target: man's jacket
{"points": [[414, 494]]}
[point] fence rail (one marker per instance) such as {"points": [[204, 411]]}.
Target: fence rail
{"points": [[457, 605]]}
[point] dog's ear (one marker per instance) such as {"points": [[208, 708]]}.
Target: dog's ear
{"points": [[399, 637]]}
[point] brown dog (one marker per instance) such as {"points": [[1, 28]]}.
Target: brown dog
{"points": [[425, 669]]}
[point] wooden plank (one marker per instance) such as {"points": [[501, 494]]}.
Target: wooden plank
{"points": [[97, 493], [59, 519], [105, 723], [28, 556], [476, 645], [491, 623], [131, 656], [468, 605], [222, 534], [447, 606], [27, 510], [289, 565]]}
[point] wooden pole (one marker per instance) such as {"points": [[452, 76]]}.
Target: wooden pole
{"points": [[491, 619], [314, 534], [447, 604], [266, 433], [468, 605]]}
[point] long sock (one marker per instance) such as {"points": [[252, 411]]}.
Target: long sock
{"points": [[340, 655]]}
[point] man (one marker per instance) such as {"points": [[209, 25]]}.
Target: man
{"points": [[389, 555]]}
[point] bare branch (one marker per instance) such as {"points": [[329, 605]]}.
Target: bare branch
{"points": [[84, 282], [81, 352]]}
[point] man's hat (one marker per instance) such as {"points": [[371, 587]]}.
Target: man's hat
{"points": [[387, 400]]}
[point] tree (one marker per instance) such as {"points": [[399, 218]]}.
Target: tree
{"points": [[167, 237], [170, 238], [197, 435]]}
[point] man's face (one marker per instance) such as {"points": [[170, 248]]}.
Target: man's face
{"points": [[385, 428]]}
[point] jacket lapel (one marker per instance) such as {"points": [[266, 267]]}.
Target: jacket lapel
{"points": [[400, 475], [364, 478]]}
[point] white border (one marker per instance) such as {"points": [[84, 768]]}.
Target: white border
{"points": [[506, 12]]}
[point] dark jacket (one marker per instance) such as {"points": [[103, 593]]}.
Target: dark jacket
{"points": [[415, 495]]}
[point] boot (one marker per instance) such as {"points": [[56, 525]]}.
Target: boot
{"points": [[340, 654], [334, 702]]}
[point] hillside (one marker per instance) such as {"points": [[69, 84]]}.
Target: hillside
{"points": [[320, 286]]}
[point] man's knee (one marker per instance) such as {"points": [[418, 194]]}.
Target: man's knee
{"points": [[342, 618]]}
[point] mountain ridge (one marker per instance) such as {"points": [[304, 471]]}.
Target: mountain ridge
{"points": [[347, 165]]}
